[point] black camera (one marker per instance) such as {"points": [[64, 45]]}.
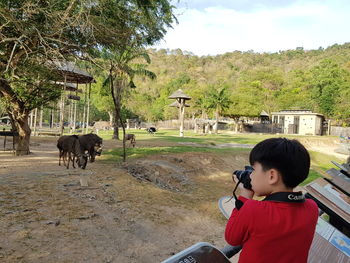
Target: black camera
{"points": [[244, 176]]}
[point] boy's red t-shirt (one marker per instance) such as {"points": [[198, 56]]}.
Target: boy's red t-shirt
{"points": [[271, 231]]}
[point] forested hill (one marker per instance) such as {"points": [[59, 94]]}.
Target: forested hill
{"points": [[295, 79]]}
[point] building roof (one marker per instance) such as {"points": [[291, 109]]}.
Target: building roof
{"points": [[296, 112], [179, 94], [264, 114]]}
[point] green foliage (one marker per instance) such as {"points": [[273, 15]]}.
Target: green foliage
{"points": [[34, 34], [294, 79], [218, 99], [127, 114], [101, 96], [271, 82], [296, 93], [328, 80]]}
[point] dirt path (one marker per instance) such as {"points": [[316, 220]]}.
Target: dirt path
{"points": [[46, 216], [168, 204]]}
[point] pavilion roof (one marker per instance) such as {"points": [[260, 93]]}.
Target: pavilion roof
{"points": [[179, 94], [71, 73], [177, 104]]}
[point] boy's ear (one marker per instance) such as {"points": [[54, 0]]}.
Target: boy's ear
{"points": [[273, 176]]}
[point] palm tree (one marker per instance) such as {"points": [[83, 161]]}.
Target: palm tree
{"points": [[121, 73], [218, 100]]}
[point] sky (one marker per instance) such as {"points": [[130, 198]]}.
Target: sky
{"points": [[212, 27]]}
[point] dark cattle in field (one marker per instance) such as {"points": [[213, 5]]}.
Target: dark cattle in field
{"points": [[151, 130], [69, 150], [131, 138], [91, 143]]}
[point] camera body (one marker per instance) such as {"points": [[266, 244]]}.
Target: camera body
{"points": [[244, 176]]}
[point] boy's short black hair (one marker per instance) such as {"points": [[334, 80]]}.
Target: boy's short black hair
{"points": [[289, 157]]}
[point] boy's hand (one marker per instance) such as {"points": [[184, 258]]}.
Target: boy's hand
{"points": [[243, 191]]}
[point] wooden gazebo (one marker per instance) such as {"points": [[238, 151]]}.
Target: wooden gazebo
{"points": [[181, 98], [72, 76]]}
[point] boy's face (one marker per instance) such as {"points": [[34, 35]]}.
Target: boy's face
{"points": [[259, 180]]}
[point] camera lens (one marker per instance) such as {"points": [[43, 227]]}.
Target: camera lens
{"points": [[244, 176]]}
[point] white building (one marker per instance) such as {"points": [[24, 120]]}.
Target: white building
{"points": [[304, 122]]}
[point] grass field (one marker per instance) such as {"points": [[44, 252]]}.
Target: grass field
{"points": [[320, 162]]}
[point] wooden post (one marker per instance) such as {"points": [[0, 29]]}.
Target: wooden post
{"points": [[41, 117], [70, 116], [84, 113], [53, 116], [88, 108], [62, 107], [75, 109], [31, 119], [74, 115], [182, 115], [35, 118], [180, 103]]}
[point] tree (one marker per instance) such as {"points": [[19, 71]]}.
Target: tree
{"points": [[218, 100], [296, 93], [33, 34], [121, 75], [102, 98], [202, 106], [327, 81]]}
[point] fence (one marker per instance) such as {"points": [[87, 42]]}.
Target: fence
{"points": [[256, 127], [175, 124], [340, 131]]}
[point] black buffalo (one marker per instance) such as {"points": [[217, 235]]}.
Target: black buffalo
{"points": [[151, 130], [91, 143], [70, 149]]}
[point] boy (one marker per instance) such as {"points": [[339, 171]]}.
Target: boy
{"points": [[281, 227]]}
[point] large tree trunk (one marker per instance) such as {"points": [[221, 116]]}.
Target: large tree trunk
{"points": [[22, 127], [116, 89], [115, 124], [19, 117]]}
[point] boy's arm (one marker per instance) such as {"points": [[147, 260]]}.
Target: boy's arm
{"points": [[246, 193], [237, 228]]}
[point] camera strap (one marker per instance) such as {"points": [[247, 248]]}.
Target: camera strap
{"points": [[238, 203], [287, 197]]}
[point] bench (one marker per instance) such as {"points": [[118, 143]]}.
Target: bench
{"points": [[9, 133]]}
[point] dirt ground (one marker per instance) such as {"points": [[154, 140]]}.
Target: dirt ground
{"points": [[142, 211]]}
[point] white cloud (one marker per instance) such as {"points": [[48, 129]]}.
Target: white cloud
{"points": [[216, 30]]}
